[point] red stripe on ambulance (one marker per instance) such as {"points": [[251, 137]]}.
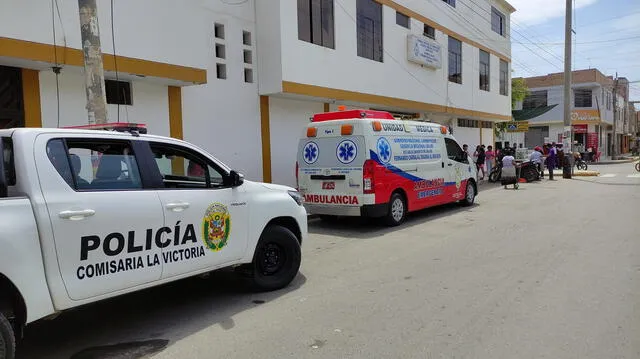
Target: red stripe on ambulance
{"points": [[326, 199]]}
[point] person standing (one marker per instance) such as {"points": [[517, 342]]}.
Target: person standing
{"points": [[552, 160], [480, 160], [490, 157], [465, 148]]}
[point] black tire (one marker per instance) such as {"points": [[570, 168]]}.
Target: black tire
{"points": [[582, 166], [276, 260], [469, 195], [638, 166], [494, 176], [397, 212], [7, 339]]}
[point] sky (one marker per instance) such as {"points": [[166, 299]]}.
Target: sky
{"points": [[607, 38]]}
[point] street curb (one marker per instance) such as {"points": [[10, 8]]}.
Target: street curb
{"points": [[613, 162], [586, 174]]}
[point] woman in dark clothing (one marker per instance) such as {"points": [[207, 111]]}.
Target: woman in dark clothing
{"points": [[481, 160]]}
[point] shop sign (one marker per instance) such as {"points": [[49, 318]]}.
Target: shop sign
{"points": [[580, 128], [517, 126], [585, 116]]}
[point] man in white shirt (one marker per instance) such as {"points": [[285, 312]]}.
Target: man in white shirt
{"points": [[536, 157]]}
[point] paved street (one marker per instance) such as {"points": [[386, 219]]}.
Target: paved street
{"points": [[506, 278]]}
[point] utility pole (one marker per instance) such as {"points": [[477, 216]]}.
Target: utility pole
{"points": [[614, 140], [567, 135], [93, 67]]}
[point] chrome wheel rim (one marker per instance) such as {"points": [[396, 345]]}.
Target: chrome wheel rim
{"points": [[470, 193], [397, 209]]}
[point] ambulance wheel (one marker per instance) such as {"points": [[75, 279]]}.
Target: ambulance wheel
{"points": [[469, 194], [7, 339], [276, 260], [397, 210]]}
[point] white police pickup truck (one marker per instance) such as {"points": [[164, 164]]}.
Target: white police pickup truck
{"points": [[87, 215]]}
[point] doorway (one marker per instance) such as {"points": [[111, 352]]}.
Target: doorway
{"points": [[11, 99]]}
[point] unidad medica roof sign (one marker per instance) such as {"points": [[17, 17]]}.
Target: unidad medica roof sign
{"points": [[424, 51]]}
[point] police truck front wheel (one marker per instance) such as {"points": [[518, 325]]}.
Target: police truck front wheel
{"points": [[7, 339], [397, 211], [276, 260]]}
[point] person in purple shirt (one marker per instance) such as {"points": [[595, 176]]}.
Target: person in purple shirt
{"points": [[552, 159]]}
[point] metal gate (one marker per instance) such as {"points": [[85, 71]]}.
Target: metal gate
{"points": [[11, 100], [535, 136]]}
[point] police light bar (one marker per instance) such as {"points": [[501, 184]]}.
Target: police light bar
{"points": [[115, 126], [352, 114]]}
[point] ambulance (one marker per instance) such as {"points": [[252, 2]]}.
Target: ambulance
{"points": [[368, 163]]}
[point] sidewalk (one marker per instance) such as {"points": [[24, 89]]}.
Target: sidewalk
{"points": [[627, 158]]}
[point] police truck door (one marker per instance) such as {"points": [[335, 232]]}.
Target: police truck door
{"points": [[208, 219], [106, 226]]}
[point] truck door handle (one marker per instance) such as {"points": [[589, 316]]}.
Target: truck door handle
{"points": [[77, 215], [450, 164], [177, 206]]}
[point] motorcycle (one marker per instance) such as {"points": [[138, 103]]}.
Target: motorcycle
{"points": [[580, 163]]}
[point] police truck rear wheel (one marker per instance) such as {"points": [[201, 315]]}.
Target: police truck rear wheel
{"points": [[397, 210], [7, 339], [276, 260]]}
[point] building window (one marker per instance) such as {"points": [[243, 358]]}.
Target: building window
{"points": [[218, 31], [429, 31], [220, 51], [455, 60], [316, 22], [609, 100], [247, 56], [498, 22], [504, 78], [450, 2], [369, 27], [221, 71], [487, 124], [246, 38], [118, 92], [248, 76], [583, 98], [403, 20], [535, 99], [463, 122], [485, 70]]}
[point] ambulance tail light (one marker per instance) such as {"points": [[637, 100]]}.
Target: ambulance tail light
{"points": [[377, 126], [368, 176]]}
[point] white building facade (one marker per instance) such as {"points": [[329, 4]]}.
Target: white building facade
{"points": [[594, 104], [242, 79]]}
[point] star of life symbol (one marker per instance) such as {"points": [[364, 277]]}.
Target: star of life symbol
{"points": [[310, 152], [346, 151], [384, 150]]}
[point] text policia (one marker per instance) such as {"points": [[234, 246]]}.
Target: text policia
{"points": [[115, 244]]}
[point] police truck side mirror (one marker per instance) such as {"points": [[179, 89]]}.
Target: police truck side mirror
{"points": [[4, 184], [235, 179]]}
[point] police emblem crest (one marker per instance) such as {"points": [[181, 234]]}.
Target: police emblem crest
{"points": [[216, 227]]}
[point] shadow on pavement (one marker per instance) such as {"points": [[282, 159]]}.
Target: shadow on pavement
{"points": [[142, 323]]}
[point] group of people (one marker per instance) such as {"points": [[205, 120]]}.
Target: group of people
{"points": [[483, 158], [550, 155]]}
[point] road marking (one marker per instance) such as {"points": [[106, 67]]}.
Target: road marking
{"points": [[637, 175], [608, 175]]}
